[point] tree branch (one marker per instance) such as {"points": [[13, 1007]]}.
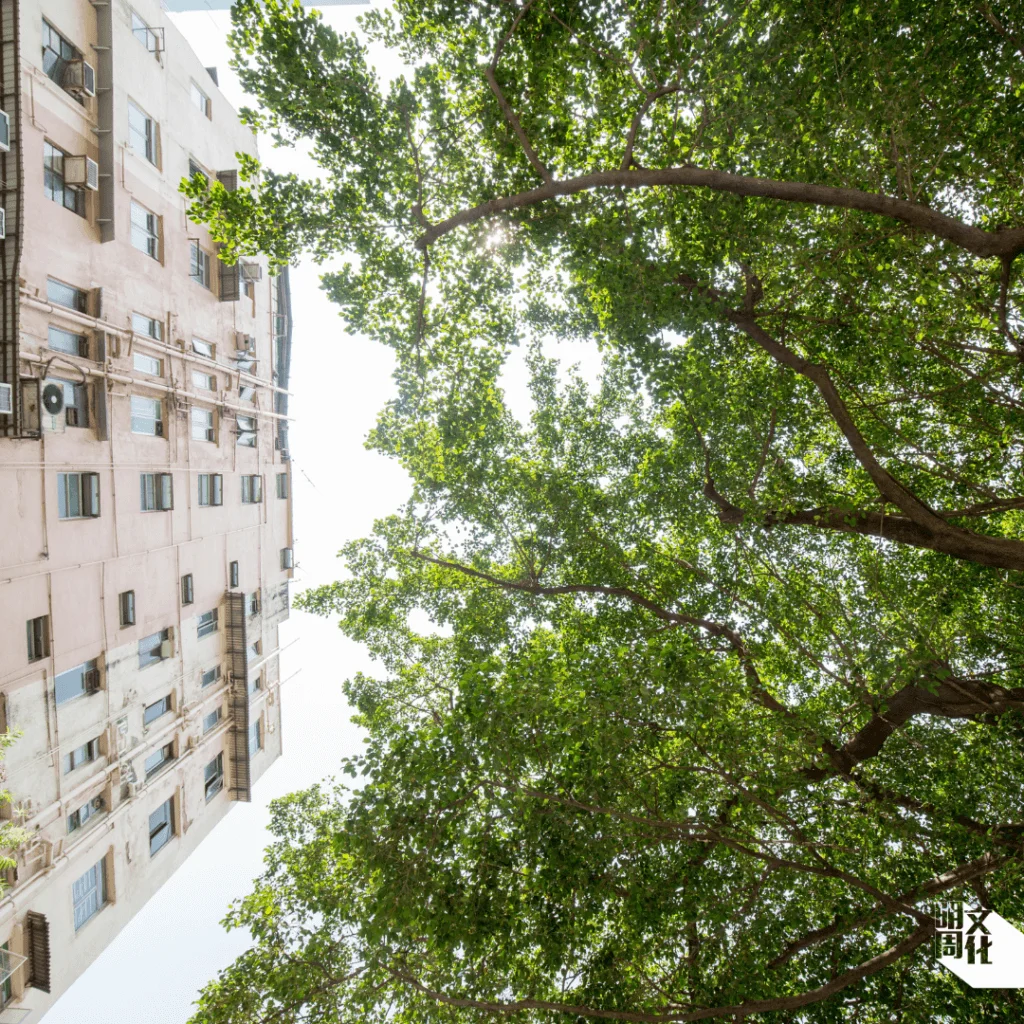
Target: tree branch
{"points": [[878, 963], [1007, 242], [649, 99], [490, 73]]}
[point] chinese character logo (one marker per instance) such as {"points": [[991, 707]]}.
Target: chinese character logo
{"points": [[977, 945]]}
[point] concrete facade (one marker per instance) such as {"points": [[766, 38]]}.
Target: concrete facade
{"points": [[165, 476]]}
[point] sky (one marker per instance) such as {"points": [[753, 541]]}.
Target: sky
{"points": [[153, 969]]}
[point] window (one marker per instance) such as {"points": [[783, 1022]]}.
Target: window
{"points": [[202, 425], [254, 603], [147, 416], [282, 485], [61, 340], [76, 681], [76, 402], [57, 53], [203, 348], [213, 776], [195, 168], [246, 393], [246, 431], [152, 649], [156, 710], [211, 676], [89, 894], [77, 818], [207, 623], [256, 683], [187, 592], [211, 489], [255, 737], [205, 381], [199, 267], [159, 759], [149, 38], [126, 604], [6, 989], [71, 197], [145, 231], [161, 826], [201, 101], [157, 492], [84, 754], [142, 324], [38, 630], [78, 495], [233, 574], [287, 558], [252, 489], [67, 295], [142, 132], [148, 364], [211, 720], [252, 652]]}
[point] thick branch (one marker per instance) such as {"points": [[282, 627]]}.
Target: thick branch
{"points": [[1005, 242], [916, 938], [960, 875]]}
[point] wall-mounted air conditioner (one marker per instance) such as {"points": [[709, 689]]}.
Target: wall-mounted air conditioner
{"points": [[252, 272], [244, 342], [82, 170], [166, 648], [79, 78]]}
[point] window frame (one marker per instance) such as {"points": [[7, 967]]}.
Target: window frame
{"points": [[126, 608], [91, 753], [208, 428], [213, 781], [55, 187], [164, 822], [213, 673], [80, 673], [154, 490], [148, 136], [163, 706], [282, 485], [37, 632], [153, 360], [213, 719], [140, 407], [199, 265], [207, 624], [75, 345], [255, 733], [188, 593], [200, 100], [159, 760], [145, 236], [92, 893], [79, 296], [153, 643], [78, 491], [150, 326]]}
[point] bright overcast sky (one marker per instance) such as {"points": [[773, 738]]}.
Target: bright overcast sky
{"points": [[152, 971]]}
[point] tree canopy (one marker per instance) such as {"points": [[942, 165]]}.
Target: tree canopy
{"points": [[721, 681]]}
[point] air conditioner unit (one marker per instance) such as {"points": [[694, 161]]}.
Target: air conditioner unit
{"points": [[252, 272], [3, 222], [5, 131], [6, 400], [166, 648], [244, 342], [97, 803], [82, 170], [92, 680], [79, 78], [133, 788]]}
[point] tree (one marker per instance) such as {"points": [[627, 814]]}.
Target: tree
{"points": [[728, 683]]}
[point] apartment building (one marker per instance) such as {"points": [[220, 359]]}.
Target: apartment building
{"points": [[145, 511]]}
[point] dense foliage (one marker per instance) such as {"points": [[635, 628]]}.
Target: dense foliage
{"points": [[696, 687]]}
